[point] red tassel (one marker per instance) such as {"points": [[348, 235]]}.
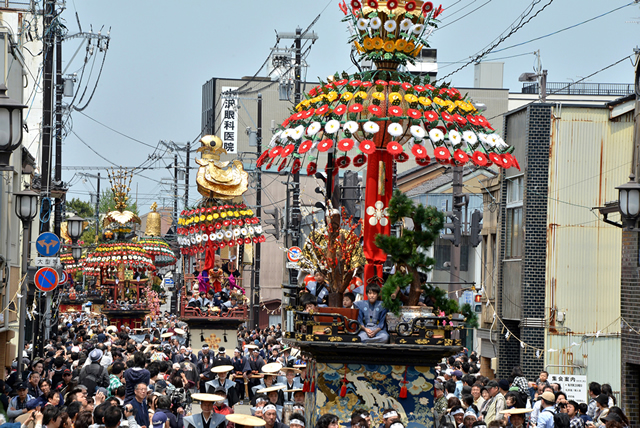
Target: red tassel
{"points": [[305, 386], [313, 387], [403, 392], [343, 391]]}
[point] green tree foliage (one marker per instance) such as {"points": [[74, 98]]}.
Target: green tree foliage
{"points": [[408, 251], [82, 208], [107, 204]]}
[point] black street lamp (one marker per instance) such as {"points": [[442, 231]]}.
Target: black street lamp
{"points": [[75, 227], [629, 203], [10, 127], [26, 206]]}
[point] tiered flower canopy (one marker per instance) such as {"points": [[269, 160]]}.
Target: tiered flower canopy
{"points": [[109, 256]]}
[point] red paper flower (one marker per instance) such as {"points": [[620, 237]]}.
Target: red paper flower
{"points": [[484, 122], [340, 82], [392, 4], [443, 91], [308, 113], [410, 6], [505, 161], [459, 120], [373, 4], [438, 11], [312, 168], [419, 88], [295, 167], [515, 162], [367, 146], [472, 120], [382, 82], [431, 116], [322, 110], [288, 149], [285, 123], [479, 159], [414, 114], [376, 110], [275, 151], [305, 147], [297, 116], [395, 111], [355, 108], [423, 161], [367, 84], [340, 110], [442, 153], [495, 158], [262, 159], [454, 93], [406, 86], [401, 157], [446, 116], [355, 83], [461, 157], [325, 145], [419, 151], [343, 161], [427, 7], [247, 241], [355, 4], [359, 160], [394, 148], [345, 144], [314, 91]]}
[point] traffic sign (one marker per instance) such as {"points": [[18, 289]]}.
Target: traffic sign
{"points": [[294, 254], [63, 277], [48, 244], [168, 281], [53, 262], [292, 265], [46, 279]]}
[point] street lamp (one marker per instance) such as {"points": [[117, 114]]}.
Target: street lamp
{"points": [[10, 127], [629, 202], [75, 226], [26, 206]]}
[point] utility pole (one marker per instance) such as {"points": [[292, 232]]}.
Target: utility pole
{"points": [[186, 177], [255, 274], [45, 180], [58, 171], [175, 194], [98, 209], [458, 203]]}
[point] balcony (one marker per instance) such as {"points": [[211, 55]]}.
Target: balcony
{"points": [[188, 313]]}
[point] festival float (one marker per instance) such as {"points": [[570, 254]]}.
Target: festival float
{"points": [[375, 119], [70, 299], [220, 226], [123, 269]]}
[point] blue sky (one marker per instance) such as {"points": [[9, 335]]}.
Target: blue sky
{"points": [[161, 53]]}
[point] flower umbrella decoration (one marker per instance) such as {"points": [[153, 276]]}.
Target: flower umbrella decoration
{"points": [[385, 114], [69, 264], [215, 226], [110, 255], [159, 251]]}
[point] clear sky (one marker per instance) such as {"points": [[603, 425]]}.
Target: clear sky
{"points": [[162, 52]]}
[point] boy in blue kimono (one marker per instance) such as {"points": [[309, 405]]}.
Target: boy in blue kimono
{"points": [[371, 317]]}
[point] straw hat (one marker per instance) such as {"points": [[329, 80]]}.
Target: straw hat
{"points": [[221, 369], [271, 368], [179, 331], [271, 388], [246, 420], [207, 397], [165, 335], [516, 411], [112, 328]]}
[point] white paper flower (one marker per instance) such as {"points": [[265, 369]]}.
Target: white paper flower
{"points": [[436, 135], [251, 230], [375, 23], [286, 134], [332, 127], [405, 24], [390, 26], [371, 127], [492, 139], [500, 143], [244, 231], [219, 235], [455, 138], [297, 132], [236, 232], [362, 24], [395, 129], [275, 137], [417, 29], [418, 132], [228, 234], [213, 236], [313, 128], [350, 126], [258, 229], [470, 137], [483, 138], [205, 237]]}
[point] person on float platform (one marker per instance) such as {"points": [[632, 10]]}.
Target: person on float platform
{"points": [[206, 419], [318, 288], [371, 317], [223, 382]]}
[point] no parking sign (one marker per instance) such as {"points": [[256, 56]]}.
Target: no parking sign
{"points": [[46, 279]]}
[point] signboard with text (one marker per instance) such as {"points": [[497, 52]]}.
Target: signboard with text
{"points": [[575, 386], [229, 120]]}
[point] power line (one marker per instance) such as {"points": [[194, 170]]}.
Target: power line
{"points": [[115, 130], [466, 14]]}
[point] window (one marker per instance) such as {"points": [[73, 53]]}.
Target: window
{"points": [[514, 238]]}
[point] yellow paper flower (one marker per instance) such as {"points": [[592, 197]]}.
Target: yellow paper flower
{"points": [[359, 47], [223, 215], [332, 96], [394, 96], [249, 212], [209, 217], [347, 96], [410, 47], [368, 44], [417, 51], [378, 96], [378, 43], [361, 94], [401, 44], [410, 98], [216, 215], [424, 101], [439, 101], [202, 217], [389, 46], [236, 214], [196, 219]]}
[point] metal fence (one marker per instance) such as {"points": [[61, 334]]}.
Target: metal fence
{"points": [[564, 88]]}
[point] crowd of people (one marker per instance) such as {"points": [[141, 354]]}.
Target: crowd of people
{"points": [[464, 398], [93, 376]]}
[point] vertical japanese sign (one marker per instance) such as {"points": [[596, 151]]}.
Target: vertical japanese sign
{"points": [[229, 118]]}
